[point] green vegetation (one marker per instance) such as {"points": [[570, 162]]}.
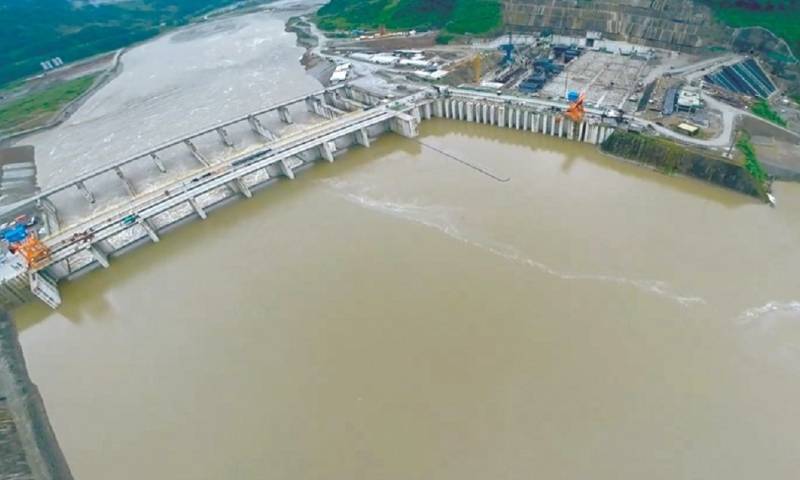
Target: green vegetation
{"points": [[751, 163], [32, 31], [778, 16], [444, 38], [456, 16], [763, 110], [476, 16], [48, 101]]}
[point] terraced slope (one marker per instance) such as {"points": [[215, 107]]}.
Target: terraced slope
{"points": [[676, 24]]}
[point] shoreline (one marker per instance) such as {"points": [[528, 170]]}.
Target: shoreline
{"points": [[110, 74], [70, 108]]}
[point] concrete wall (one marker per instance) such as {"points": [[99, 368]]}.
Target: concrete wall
{"points": [[26, 433], [520, 117]]}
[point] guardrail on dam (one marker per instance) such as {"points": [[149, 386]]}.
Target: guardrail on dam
{"points": [[352, 116]]}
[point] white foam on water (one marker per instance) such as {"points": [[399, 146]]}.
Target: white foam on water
{"points": [[769, 307], [440, 218]]}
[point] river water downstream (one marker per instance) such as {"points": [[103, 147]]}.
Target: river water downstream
{"points": [[396, 315]]}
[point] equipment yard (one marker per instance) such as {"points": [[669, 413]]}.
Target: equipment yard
{"points": [[608, 79]]}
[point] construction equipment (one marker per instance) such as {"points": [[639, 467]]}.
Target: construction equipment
{"points": [[576, 110], [33, 251], [508, 48], [20, 237]]}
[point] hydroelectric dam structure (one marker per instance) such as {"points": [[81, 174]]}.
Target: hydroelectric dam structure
{"points": [[89, 220]]}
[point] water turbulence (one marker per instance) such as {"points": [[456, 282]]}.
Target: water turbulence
{"points": [[438, 218]]}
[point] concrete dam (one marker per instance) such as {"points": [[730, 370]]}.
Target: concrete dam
{"points": [[346, 116]]}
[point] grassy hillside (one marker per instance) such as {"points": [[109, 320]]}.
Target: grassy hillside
{"points": [[42, 104], [457, 16], [781, 17], [32, 31]]}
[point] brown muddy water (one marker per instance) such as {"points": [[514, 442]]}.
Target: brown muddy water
{"points": [[397, 315]]}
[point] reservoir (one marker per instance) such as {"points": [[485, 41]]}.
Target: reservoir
{"points": [[398, 315]]}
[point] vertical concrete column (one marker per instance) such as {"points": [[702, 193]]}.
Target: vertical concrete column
{"points": [[89, 196], [534, 122], [198, 208], [224, 137], [405, 125], [570, 129], [157, 160], [560, 127], [148, 227], [437, 108], [51, 213], [362, 137], [552, 125], [196, 153], [238, 185], [470, 111], [517, 120], [501, 116], [99, 255], [126, 181], [286, 169], [525, 115], [427, 111], [460, 110], [326, 149], [259, 129], [484, 113], [447, 108], [285, 115]]}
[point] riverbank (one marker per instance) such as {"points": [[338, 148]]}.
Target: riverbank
{"points": [[28, 446], [64, 112], [672, 158]]}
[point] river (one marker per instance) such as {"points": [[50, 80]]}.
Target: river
{"points": [[397, 315]]}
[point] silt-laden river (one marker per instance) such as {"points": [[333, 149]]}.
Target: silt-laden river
{"points": [[397, 315]]}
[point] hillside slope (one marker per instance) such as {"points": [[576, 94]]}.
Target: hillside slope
{"points": [[778, 16], [676, 24], [457, 16]]}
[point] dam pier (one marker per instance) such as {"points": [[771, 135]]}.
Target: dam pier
{"points": [[345, 116]]}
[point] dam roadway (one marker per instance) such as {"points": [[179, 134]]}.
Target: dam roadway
{"points": [[352, 116]]}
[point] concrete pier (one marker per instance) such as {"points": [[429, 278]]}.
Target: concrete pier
{"points": [[284, 114]]}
